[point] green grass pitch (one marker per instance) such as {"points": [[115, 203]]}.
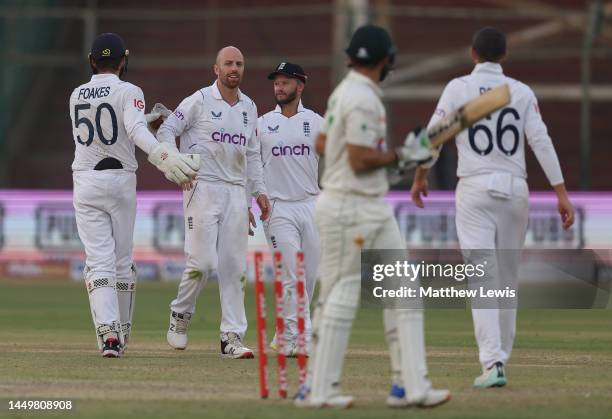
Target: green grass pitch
{"points": [[561, 366]]}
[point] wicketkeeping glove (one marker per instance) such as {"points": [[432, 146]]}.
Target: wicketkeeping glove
{"points": [[156, 117], [177, 167], [416, 150], [158, 110]]}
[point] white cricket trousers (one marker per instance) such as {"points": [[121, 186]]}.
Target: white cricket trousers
{"points": [[347, 224], [487, 222], [289, 229], [105, 208], [216, 235]]}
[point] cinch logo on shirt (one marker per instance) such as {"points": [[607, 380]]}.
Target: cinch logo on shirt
{"points": [[287, 150], [226, 137]]}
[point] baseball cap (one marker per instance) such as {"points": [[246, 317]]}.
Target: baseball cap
{"points": [[108, 46], [370, 44], [289, 70]]}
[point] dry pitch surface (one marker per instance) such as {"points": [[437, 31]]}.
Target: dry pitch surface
{"points": [[561, 367]]}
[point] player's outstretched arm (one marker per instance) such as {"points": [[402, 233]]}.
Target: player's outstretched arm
{"points": [[416, 149], [364, 159], [178, 168]]}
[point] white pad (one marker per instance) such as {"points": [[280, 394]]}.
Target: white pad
{"points": [[391, 336], [126, 296], [105, 329], [332, 336], [412, 354], [104, 307]]}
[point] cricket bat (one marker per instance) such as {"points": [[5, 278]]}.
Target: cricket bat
{"points": [[467, 115]]}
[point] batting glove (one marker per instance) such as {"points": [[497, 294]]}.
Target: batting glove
{"points": [[416, 150]]}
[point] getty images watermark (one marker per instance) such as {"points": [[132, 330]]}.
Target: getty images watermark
{"points": [[560, 278]]}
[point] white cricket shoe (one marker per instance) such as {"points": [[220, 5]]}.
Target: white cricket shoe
{"points": [[433, 398], [177, 332], [337, 401], [397, 396], [232, 347], [493, 377], [291, 347], [292, 350]]}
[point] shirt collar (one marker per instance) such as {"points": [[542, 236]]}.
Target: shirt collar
{"points": [[217, 94], [488, 68], [104, 76], [299, 109], [353, 75]]}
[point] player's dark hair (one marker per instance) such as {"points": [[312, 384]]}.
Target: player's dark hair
{"points": [[353, 62], [111, 64], [490, 44]]}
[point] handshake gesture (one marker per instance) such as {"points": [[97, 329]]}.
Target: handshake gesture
{"points": [[177, 167]]}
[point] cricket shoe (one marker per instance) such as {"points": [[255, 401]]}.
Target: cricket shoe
{"points": [[336, 401], [302, 393], [292, 349], [397, 396], [111, 348], [433, 398], [493, 377], [232, 347], [177, 331]]}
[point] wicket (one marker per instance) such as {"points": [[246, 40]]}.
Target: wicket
{"points": [[260, 299]]}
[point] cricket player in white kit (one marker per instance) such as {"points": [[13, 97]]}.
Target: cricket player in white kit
{"points": [[492, 193], [352, 215], [107, 122], [290, 165], [219, 123]]}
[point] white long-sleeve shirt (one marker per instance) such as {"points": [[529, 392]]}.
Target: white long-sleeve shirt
{"points": [[497, 143], [107, 121], [290, 162], [223, 135]]}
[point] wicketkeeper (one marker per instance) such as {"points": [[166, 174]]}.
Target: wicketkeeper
{"points": [[107, 122]]}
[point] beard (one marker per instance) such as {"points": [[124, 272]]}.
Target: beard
{"points": [[230, 83], [288, 99]]}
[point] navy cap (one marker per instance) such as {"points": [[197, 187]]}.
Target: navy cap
{"points": [[289, 70], [108, 46]]}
